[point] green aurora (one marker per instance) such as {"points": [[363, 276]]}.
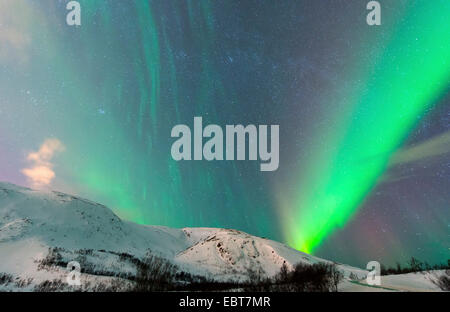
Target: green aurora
{"points": [[347, 98], [406, 80]]}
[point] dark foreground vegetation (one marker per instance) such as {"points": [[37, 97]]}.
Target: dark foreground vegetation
{"points": [[156, 275], [153, 273], [414, 265]]}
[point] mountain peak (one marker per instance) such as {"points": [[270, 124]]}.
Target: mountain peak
{"points": [[33, 222]]}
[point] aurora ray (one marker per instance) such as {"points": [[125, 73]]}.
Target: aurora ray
{"points": [[347, 96], [406, 80]]}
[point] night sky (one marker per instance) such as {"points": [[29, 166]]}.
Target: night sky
{"points": [[364, 116]]}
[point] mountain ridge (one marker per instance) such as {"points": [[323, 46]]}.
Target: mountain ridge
{"points": [[33, 224]]}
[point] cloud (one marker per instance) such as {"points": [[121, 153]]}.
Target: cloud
{"points": [[436, 146], [427, 151], [41, 173], [15, 37]]}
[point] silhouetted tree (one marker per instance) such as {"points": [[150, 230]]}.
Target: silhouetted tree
{"points": [[336, 276]]}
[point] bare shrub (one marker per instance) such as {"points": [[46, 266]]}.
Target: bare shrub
{"points": [[50, 286], [443, 282], [22, 283], [154, 274], [336, 276], [353, 277], [6, 278], [257, 280], [53, 258], [319, 277]]}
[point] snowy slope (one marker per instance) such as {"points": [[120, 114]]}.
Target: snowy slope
{"points": [[31, 222], [57, 219], [415, 282], [226, 252]]}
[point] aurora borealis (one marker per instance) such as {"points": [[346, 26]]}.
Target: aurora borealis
{"points": [[364, 115], [406, 79]]}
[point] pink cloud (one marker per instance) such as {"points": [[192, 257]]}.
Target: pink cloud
{"points": [[41, 173]]}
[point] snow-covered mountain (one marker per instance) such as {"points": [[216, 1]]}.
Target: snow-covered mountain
{"points": [[36, 225]]}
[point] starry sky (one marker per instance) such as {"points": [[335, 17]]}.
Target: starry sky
{"points": [[364, 116]]}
